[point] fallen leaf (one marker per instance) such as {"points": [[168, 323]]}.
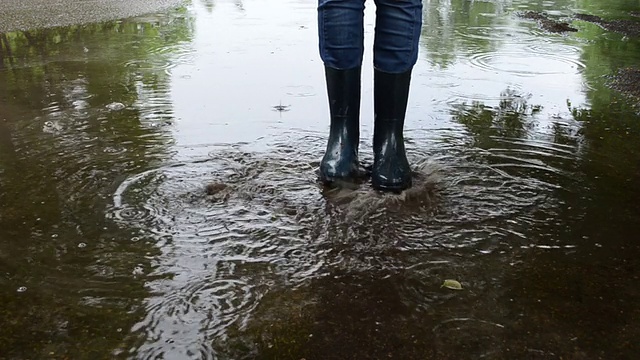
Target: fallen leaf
{"points": [[452, 284]]}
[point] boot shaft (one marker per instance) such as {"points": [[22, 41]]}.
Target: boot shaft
{"points": [[391, 93], [340, 161], [391, 170], [343, 91]]}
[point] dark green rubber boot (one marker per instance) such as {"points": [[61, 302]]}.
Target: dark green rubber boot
{"points": [[340, 161], [391, 170]]}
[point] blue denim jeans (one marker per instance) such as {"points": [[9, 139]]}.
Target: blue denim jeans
{"points": [[397, 33]]}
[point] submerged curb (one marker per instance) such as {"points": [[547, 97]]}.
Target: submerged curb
{"points": [[34, 14]]}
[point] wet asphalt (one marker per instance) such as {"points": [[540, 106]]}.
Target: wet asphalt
{"points": [[33, 14]]}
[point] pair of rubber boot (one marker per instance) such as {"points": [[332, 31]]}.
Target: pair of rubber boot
{"points": [[391, 170]]}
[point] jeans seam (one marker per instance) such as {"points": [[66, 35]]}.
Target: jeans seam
{"points": [[410, 54], [413, 39], [324, 34]]}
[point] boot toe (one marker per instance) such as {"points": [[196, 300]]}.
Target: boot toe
{"points": [[339, 171], [391, 172], [392, 185]]}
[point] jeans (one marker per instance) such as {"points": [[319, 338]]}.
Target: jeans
{"points": [[397, 33]]}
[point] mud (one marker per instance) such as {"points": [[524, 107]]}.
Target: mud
{"points": [[35, 14], [621, 26], [627, 81], [546, 23]]}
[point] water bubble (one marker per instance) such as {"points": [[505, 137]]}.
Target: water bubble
{"points": [[52, 127], [80, 104], [115, 106], [138, 270], [82, 245]]}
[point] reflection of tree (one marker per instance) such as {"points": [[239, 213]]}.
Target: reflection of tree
{"points": [[603, 56], [61, 152], [511, 118], [595, 7], [560, 289], [208, 4], [603, 214], [610, 123], [5, 50], [600, 217], [458, 26], [65, 77]]}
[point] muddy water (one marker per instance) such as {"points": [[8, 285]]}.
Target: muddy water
{"points": [[527, 171]]}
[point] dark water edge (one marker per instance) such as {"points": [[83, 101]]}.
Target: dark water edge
{"points": [[527, 164]]}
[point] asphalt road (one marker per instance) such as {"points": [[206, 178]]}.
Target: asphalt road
{"points": [[30, 14]]}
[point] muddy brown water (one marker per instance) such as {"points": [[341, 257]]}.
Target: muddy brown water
{"points": [[527, 172]]}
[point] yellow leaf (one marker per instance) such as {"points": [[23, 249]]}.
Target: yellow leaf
{"points": [[452, 284]]}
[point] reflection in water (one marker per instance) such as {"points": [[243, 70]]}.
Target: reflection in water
{"points": [[511, 118], [270, 266], [113, 246], [80, 108]]}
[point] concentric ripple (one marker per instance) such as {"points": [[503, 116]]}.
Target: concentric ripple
{"points": [[523, 64], [134, 219], [497, 33], [243, 224]]}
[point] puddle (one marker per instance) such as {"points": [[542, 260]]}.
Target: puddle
{"points": [[159, 196]]}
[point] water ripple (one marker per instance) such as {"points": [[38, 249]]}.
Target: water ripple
{"points": [[244, 223], [498, 33], [523, 64]]}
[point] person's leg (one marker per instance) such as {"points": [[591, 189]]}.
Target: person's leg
{"points": [[397, 34], [341, 35]]}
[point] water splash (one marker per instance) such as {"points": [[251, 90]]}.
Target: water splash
{"points": [[241, 224]]}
